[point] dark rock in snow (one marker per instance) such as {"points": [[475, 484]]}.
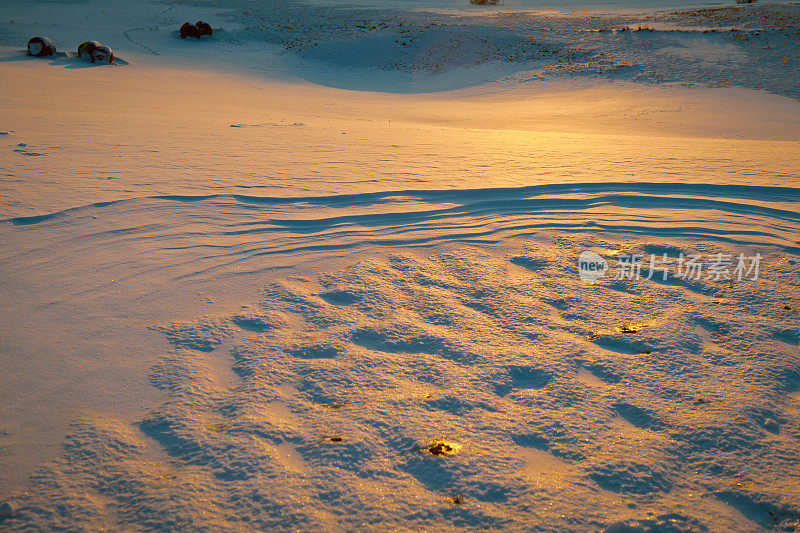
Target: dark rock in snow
{"points": [[41, 47]]}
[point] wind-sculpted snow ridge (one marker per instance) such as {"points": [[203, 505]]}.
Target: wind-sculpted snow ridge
{"points": [[216, 235], [751, 46], [465, 389], [460, 376]]}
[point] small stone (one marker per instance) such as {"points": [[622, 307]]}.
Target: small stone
{"points": [[441, 447], [457, 499], [630, 328]]}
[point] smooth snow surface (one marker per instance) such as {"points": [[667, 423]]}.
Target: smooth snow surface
{"points": [[319, 272]]}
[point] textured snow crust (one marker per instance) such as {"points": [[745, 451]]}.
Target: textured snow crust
{"points": [[300, 307], [336, 385]]}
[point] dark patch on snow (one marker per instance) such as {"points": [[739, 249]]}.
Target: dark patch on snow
{"points": [[333, 406], [340, 297], [531, 440], [6, 511], [256, 322], [604, 373], [204, 336], [639, 417], [667, 523], [458, 406], [400, 340], [314, 351], [529, 263], [789, 336], [523, 377], [631, 477], [712, 326], [760, 511]]}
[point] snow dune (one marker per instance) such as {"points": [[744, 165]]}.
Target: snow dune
{"points": [[291, 139]]}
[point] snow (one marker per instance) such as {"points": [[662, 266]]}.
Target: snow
{"points": [[571, 6], [303, 276]]}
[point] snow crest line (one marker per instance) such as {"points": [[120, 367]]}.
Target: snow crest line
{"points": [[636, 195]]}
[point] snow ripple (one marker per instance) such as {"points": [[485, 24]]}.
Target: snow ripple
{"points": [[217, 234]]}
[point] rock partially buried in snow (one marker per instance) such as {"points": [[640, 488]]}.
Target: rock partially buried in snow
{"points": [[95, 52], [334, 438], [441, 447], [203, 28], [196, 30], [189, 30], [457, 499], [41, 47], [631, 328]]}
